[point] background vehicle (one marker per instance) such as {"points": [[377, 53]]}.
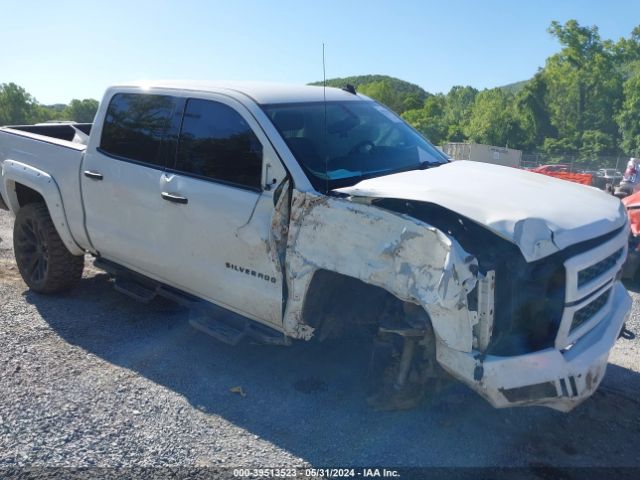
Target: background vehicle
{"points": [[632, 264], [607, 179], [281, 213], [564, 172], [630, 183], [553, 168], [610, 173]]}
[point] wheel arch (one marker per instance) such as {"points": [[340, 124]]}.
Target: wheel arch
{"points": [[411, 260], [25, 184], [329, 306]]}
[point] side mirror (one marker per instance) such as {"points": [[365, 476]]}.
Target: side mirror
{"points": [[269, 185]]}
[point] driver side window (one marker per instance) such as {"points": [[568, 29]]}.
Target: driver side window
{"points": [[216, 143]]}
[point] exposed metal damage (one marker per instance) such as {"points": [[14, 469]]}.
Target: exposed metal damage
{"points": [[410, 280], [415, 262], [487, 312]]}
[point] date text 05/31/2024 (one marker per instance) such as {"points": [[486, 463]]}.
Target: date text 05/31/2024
{"points": [[315, 473]]}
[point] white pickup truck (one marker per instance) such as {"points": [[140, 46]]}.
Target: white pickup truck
{"points": [[283, 213]]}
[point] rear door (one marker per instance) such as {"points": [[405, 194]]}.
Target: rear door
{"points": [[121, 181]]}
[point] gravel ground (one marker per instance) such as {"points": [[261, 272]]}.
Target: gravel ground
{"points": [[92, 378]]}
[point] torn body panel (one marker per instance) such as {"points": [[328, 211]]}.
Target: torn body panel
{"points": [[412, 260], [497, 318]]}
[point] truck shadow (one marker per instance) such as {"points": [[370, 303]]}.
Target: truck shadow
{"points": [[309, 398], [633, 285]]}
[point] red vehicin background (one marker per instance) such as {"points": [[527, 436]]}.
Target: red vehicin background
{"points": [[631, 266], [563, 172]]}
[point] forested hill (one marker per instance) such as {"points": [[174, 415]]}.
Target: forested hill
{"points": [[403, 88], [514, 87], [399, 94], [584, 101]]}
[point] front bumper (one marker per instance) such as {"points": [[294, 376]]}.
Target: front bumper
{"points": [[559, 379]]}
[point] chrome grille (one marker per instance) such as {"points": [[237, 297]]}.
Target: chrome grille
{"points": [[597, 269], [591, 276], [580, 317]]}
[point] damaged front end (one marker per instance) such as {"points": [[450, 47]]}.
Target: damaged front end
{"points": [[545, 327], [520, 327], [351, 266], [413, 261]]}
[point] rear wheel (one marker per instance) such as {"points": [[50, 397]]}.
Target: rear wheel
{"points": [[44, 262]]}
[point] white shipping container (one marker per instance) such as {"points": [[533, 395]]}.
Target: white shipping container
{"points": [[478, 152]]}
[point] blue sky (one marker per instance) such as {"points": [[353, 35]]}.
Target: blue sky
{"points": [[60, 50]]}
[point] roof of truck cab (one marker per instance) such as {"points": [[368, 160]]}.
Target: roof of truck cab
{"points": [[262, 93]]}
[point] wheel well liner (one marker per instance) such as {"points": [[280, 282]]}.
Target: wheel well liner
{"points": [[27, 195], [335, 301]]}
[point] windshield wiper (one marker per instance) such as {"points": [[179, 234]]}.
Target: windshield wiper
{"points": [[421, 166]]}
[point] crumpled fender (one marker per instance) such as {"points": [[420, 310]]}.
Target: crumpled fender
{"points": [[411, 259]]}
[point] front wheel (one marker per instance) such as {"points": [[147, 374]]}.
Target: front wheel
{"points": [[43, 260]]}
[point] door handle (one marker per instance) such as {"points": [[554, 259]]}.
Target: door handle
{"points": [[93, 175], [172, 197]]}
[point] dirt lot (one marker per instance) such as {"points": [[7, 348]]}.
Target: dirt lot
{"points": [[92, 378]]}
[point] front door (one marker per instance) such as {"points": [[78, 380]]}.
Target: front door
{"points": [[220, 221]]}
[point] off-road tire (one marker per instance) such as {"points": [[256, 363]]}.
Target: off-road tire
{"points": [[44, 262]]}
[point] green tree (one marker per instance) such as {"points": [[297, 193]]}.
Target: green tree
{"points": [[584, 87], [430, 119], [81, 111], [594, 143], [493, 121], [559, 145], [459, 103], [384, 93], [411, 101], [443, 118], [16, 105], [628, 117], [533, 114], [627, 53]]}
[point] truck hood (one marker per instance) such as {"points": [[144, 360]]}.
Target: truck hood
{"points": [[539, 214]]}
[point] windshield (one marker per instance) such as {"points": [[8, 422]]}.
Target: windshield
{"points": [[358, 140]]}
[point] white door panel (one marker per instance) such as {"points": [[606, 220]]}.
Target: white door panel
{"points": [[121, 176], [124, 218], [220, 244]]}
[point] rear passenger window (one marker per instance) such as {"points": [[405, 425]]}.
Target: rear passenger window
{"points": [[217, 143], [135, 126]]}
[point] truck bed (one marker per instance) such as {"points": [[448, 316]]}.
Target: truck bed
{"points": [[50, 149], [61, 131]]}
